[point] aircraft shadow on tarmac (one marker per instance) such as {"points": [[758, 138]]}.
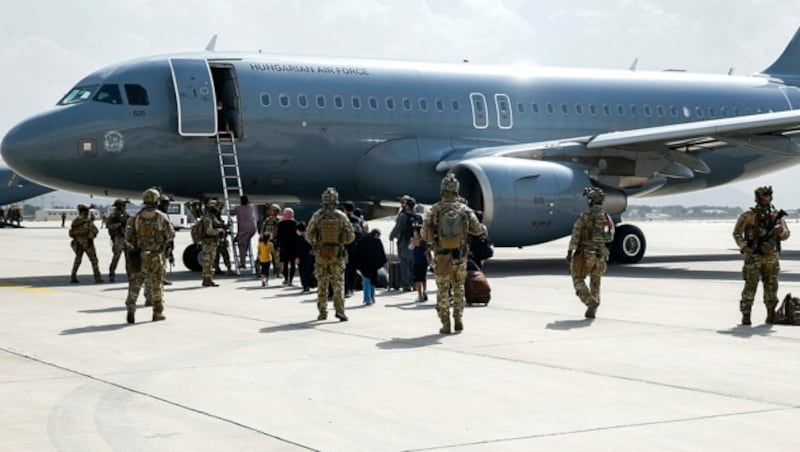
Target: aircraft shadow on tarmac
{"points": [[746, 332], [396, 343]]}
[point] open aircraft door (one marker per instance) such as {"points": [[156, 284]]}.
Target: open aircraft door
{"points": [[194, 92]]}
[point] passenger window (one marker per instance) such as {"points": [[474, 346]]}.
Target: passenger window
{"points": [[673, 110], [647, 111], [108, 94], [550, 108], [634, 110], [520, 107], [137, 95], [711, 113], [606, 109], [686, 112], [373, 102], [439, 105], [564, 109], [265, 99], [356, 102], [320, 101], [535, 108], [302, 100], [699, 112], [620, 109], [406, 104], [579, 109], [423, 104], [390, 103], [283, 98], [338, 102], [660, 111], [593, 109], [455, 105]]}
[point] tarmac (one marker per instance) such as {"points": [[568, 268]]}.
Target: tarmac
{"points": [[664, 366]]}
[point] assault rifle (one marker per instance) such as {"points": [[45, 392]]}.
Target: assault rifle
{"points": [[765, 242]]}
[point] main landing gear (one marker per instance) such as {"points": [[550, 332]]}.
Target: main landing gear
{"points": [[629, 244], [193, 257]]}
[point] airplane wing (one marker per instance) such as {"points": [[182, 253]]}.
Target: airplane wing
{"points": [[633, 157]]}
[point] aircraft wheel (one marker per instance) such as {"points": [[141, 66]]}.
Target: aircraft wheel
{"points": [[193, 258], [629, 244]]}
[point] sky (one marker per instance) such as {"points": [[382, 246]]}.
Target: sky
{"points": [[49, 45]]}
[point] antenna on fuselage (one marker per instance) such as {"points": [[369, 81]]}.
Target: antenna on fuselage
{"points": [[730, 71], [212, 44], [634, 64]]}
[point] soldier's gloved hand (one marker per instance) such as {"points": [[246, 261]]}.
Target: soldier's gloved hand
{"points": [[569, 258]]}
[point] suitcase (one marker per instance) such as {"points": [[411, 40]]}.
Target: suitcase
{"points": [[476, 288], [383, 279], [394, 269]]}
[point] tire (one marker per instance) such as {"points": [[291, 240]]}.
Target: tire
{"points": [[193, 258], [629, 244]]}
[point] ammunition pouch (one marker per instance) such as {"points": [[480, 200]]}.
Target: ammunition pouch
{"points": [[443, 263], [329, 252]]}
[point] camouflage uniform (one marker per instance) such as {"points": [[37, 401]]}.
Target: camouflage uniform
{"points": [[116, 224], [212, 228], [450, 265], [588, 254], [223, 250], [758, 233], [270, 225], [328, 231], [148, 235], [83, 231]]}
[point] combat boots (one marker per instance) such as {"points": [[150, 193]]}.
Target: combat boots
{"points": [[158, 316], [457, 325], [322, 316], [208, 282], [746, 318], [341, 316], [158, 308], [73, 279], [131, 318], [445, 329], [591, 310], [110, 276], [770, 314]]}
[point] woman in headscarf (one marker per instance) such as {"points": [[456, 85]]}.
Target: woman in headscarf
{"points": [[287, 244]]}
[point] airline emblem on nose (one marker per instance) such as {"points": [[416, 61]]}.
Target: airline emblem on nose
{"points": [[113, 141]]}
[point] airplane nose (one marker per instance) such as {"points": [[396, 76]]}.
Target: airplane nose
{"points": [[26, 148]]}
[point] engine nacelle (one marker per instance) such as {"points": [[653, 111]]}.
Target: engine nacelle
{"points": [[524, 202]]}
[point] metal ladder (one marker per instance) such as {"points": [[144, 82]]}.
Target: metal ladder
{"points": [[232, 187]]}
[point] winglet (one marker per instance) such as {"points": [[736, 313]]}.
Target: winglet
{"points": [[788, 64], [212, 44]]}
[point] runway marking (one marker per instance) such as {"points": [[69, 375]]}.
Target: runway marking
{"points": [[26, 288], [155, 397]]}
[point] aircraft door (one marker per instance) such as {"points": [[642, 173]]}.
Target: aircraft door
{"points": [[503, 104], [480, 119], [194, 92]]}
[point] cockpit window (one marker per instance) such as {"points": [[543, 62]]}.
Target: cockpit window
{"points": [[78, 94], [137, 95], [108, 94]]}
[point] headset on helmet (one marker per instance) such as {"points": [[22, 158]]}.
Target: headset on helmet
{"points": [[594, 195], [765, 190], [151, 196], [450, 184], [330, 197]]}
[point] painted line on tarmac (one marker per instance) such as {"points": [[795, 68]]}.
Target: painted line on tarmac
{"points": [[26, 288]]}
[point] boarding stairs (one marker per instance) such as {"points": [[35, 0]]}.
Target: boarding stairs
{"points": [[232, 192]]}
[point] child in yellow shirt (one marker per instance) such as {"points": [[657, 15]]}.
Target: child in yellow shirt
{"points": [[264, 256]]}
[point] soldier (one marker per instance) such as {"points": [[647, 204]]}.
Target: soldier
{"points": [[758, 234], [328, 232], [222, 248], [270, 225], [446, 228], [212, 228], [587, 253], [116, 223], [162, 206], [147, 237], [83, 231]]}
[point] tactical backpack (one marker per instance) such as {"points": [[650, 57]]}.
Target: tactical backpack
{"points": [[451, 228], [599, 231], [149, 232], [789, 311], [197, 231]]}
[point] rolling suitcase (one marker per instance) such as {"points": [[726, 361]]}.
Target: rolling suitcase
{"points": [[394, 268], [476, 288]]}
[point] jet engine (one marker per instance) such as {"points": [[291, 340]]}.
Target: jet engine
{"points": [[524, 202]]}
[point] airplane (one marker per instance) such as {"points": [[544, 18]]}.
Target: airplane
{"points": [[15, 189], [523, 141]]}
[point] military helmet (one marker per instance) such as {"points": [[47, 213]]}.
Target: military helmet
{"points": [[150, 196], [120, 202], [330, 197], [765, 190], [450, 184], [83, 208], [213, 204], [275, 208], [595, 195]]}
